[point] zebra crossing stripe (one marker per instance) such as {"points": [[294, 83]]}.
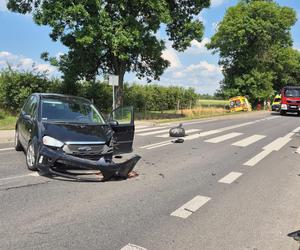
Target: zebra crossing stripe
{"points": [[223, 137], [248, 141]]}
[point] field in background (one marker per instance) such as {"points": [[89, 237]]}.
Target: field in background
{"points": [[212, 103], [7, 121], [204, 108]]}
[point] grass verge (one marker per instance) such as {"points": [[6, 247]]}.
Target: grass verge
{"points": [[7, 121]]}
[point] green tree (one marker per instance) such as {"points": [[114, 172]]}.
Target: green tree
{"points": [[115, 36], [254, 43]]}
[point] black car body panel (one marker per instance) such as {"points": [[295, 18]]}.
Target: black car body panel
{"points": [[86, 140]]}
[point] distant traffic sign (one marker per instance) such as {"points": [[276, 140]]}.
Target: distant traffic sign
{"points": [[113, 80]]}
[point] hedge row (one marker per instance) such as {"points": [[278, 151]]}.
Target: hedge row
{"points": [[16, 86]]}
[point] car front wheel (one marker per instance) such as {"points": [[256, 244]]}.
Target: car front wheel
{"points": [[31, 157], [18, 146]]}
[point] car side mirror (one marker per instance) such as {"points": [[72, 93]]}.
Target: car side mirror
{"points": [[113, 123], [27, 117]]}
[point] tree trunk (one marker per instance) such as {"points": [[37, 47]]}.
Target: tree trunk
{"points": [[119, 90]]}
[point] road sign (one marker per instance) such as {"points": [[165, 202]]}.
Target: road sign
{"points": [[113, 80]]}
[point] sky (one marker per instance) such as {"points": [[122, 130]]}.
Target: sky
{"points": [[22, 42]]}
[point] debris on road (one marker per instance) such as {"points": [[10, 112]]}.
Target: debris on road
{"points": [[179, 140], [178, 131], [162, 175]]}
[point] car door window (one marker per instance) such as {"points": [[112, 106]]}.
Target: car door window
{"points": [[26, 108], [123, 115], [33, 108]]}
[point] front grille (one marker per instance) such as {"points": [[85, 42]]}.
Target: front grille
{"points": [[293, 102], [84, 151]]}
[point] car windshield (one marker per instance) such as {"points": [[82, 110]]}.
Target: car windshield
{"points": [[292, 92], [70, 109]]}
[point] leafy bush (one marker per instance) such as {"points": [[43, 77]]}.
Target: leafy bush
{"points": [[16, 86]]}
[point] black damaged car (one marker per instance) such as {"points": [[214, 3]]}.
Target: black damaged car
{"points": [[63, 135]]}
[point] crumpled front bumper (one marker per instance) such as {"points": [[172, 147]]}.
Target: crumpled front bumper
{"points": [[48, 158]]}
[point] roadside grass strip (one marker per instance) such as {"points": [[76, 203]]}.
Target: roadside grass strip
{"points": [[248, 141], [230, 178], [132, 247], [275, 145], [190, 207]]}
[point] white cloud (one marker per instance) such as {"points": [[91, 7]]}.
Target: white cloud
{"points": [[198, 47], [3, 5], [24, 63], [204, 77], [216, 3], [170, 55], [215, 26]]}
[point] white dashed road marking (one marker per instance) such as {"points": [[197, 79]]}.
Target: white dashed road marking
{"points": [[132, 247], [154, 132], [149, 129], [20, 176], [275, 145], [248, 141], [190, 207], [223, 137], [231, 177], [6, 149], [202, 134]]}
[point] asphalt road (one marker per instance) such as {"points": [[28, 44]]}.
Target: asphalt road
{"points": [[233, 184]]}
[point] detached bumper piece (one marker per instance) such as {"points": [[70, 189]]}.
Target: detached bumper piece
{"points": [[57, 163]]}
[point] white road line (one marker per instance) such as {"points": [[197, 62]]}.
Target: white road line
{"points": [[155, 144], [19, 176], [149, 129], [248, 141], [190, 207], [223, 137], [275, 145], [132, 247], [161, 145], [256, 159], [6, 149], [140, 127], [202, 134], [154, 132], [231, 177], [189, 131]]}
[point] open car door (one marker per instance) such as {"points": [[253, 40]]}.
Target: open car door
{"points": [[121, 121]]}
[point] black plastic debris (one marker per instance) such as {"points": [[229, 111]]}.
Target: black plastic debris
{"points": [[295, 235], [179, 140], [178, 131]]}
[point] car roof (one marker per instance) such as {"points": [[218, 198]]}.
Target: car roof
{"points": [[291, 87], [49, 95]]}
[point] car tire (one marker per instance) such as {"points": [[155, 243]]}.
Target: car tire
{"points": [[18, 146], [282, 112], [31, 157]]}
